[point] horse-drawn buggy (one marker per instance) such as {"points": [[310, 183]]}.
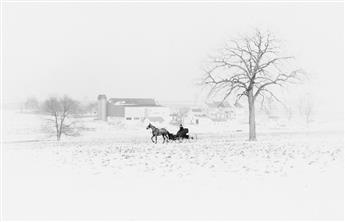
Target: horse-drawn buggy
{"points": [[181, 134]]}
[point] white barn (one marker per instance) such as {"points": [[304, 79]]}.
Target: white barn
{"points": [[132, 109]]}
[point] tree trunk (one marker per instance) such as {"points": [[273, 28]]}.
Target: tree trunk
{"points": [[57, 134], [60, 129], [57, 127], [252, 129]]}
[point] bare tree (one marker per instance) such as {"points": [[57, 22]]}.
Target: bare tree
{"points": [[288, 112], [61, 109], [268, 107], [306, 108], [90, 108], [250, 67], [31, 104], [181, 115]]}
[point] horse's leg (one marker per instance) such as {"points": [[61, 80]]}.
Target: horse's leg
{"points": [[156, 138], [152, 138]]}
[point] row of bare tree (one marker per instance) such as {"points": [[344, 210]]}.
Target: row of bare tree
{"points": [[33, 105], [61, 113]]}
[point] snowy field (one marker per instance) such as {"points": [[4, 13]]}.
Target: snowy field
{"points": [[114, 172]]}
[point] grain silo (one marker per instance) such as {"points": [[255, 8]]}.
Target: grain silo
{"points": [[102, 107]]}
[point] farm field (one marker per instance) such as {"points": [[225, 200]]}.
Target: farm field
{"points": [[113, 173]]}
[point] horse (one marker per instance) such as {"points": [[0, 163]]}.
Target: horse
{"points": [[158, 132]]}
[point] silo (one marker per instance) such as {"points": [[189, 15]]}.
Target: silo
{"points": [[102, 107]]}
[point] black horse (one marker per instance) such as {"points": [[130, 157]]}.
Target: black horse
{"points": [[158, 132]]}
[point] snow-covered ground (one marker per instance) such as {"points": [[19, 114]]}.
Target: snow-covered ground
{"points": [[115, 172]]}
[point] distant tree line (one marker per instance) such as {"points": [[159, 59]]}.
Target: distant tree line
{"points": [[33, 105], [62, 113]]}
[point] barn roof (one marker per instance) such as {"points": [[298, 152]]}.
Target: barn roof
{"points": [[133, 101]]}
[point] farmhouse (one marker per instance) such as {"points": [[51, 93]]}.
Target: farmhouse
{"points": [[219, 111], [214, 112], [131, 109]]}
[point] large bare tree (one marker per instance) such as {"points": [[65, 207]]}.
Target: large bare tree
{"points": [[250, 67], [61, 109]]}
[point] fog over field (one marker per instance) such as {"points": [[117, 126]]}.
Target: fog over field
{"points": [[126, 49], [172, 111]]}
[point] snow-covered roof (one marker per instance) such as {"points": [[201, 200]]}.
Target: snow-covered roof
{"points": [[133, 101]]}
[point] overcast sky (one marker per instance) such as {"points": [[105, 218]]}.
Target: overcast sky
{"points": [[156, 49]]}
